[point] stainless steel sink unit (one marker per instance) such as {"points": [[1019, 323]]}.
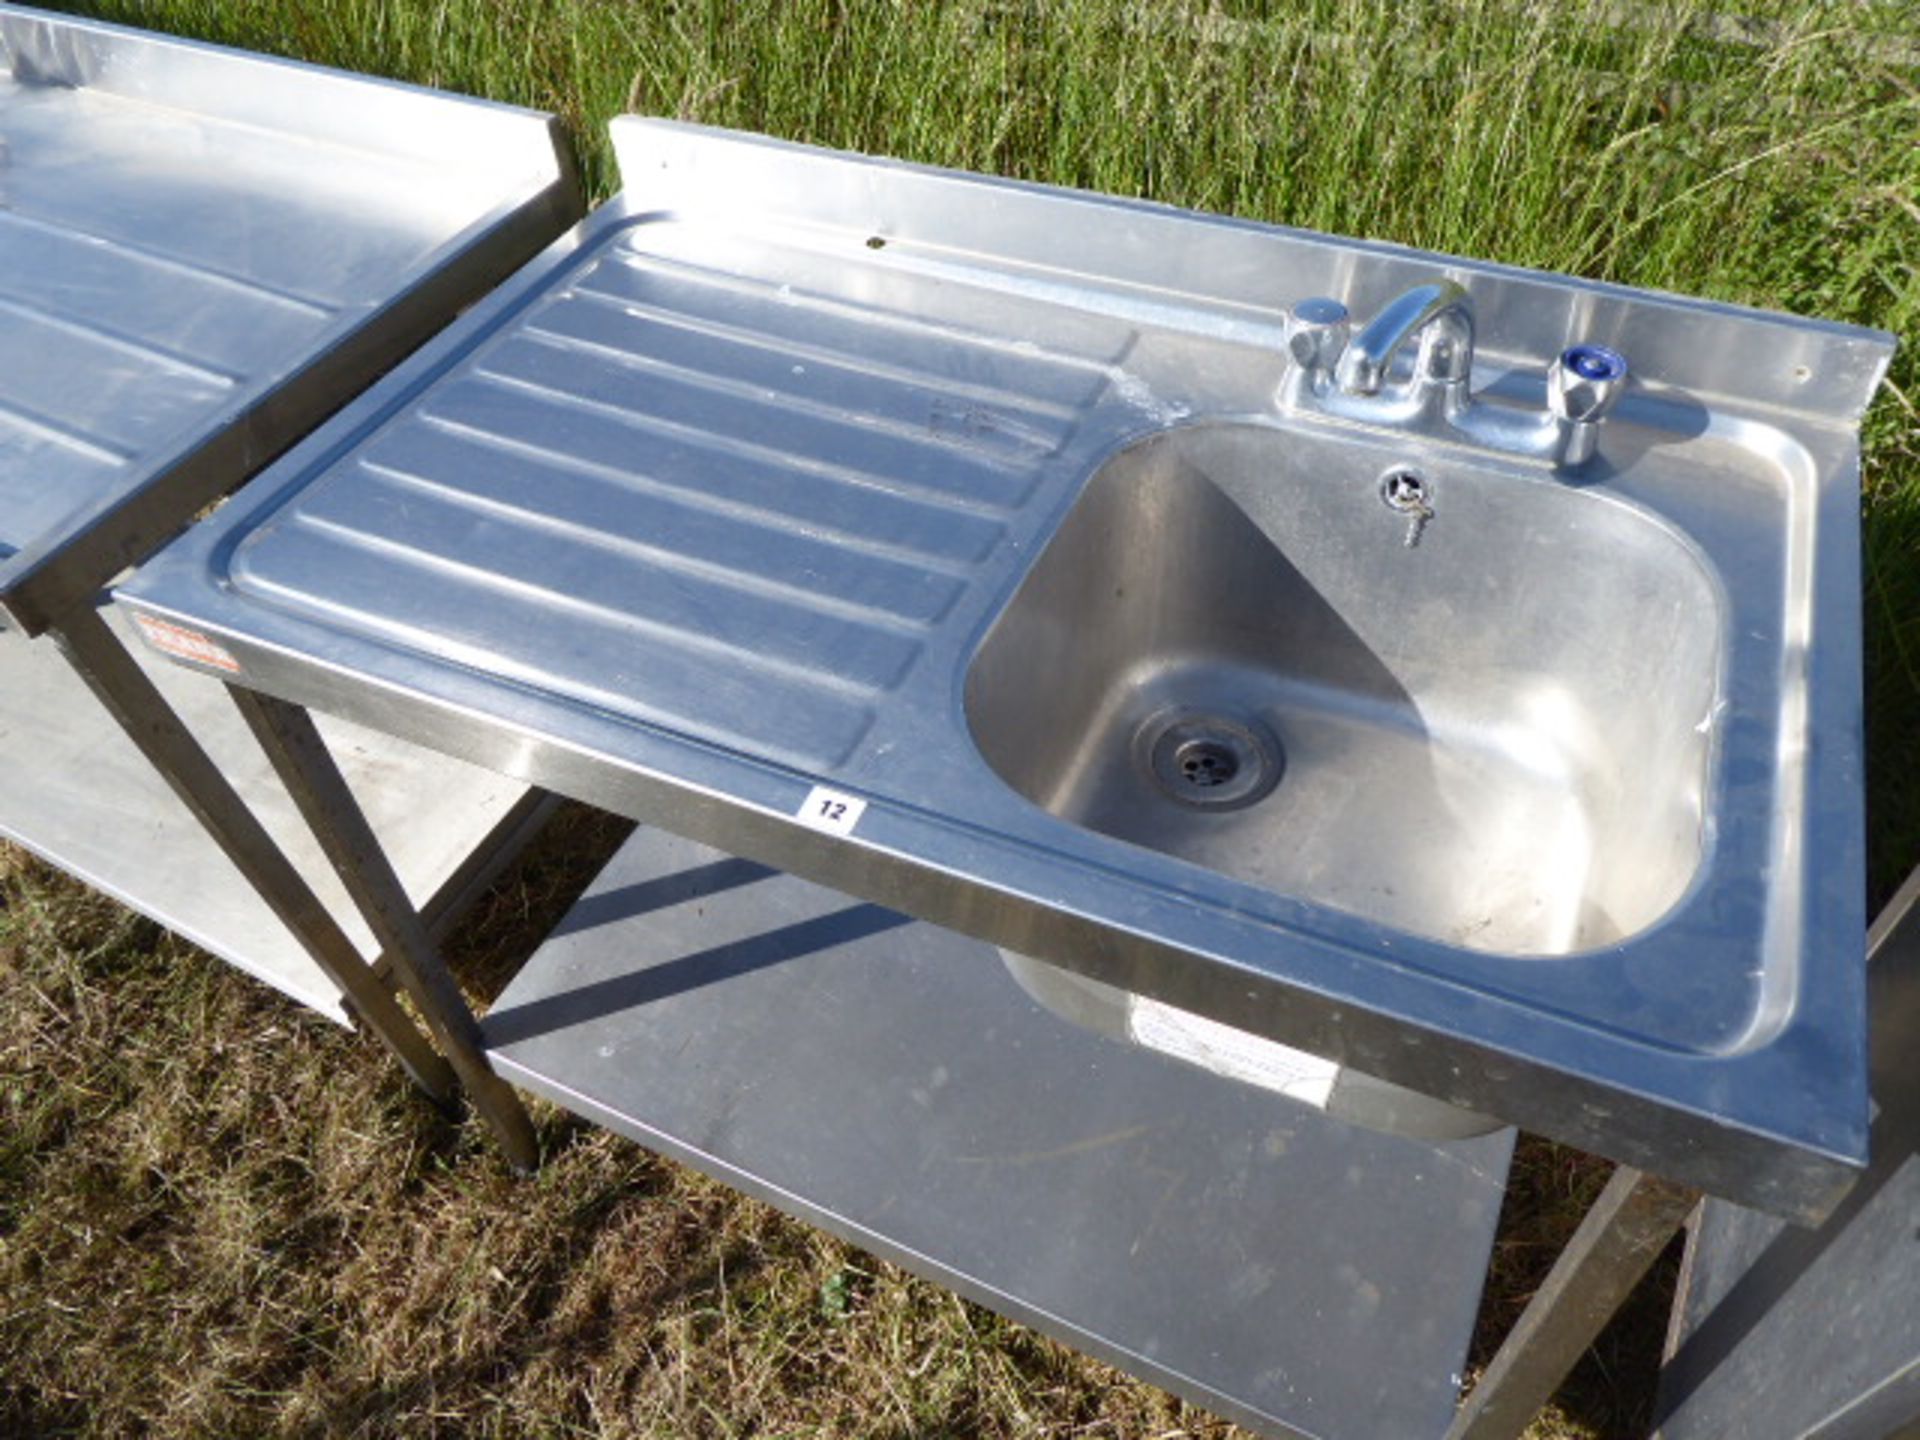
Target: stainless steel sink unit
{"points": [[201, 254], [951, 542]]}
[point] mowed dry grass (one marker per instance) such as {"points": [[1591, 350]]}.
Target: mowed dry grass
{"points": [[222, 1215]]}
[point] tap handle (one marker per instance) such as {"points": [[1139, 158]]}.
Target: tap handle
{"points": [[1317, 332], [1582, 386], [1585, 383]]}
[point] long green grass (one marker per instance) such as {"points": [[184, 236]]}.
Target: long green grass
{"points": [[218, 1216]]}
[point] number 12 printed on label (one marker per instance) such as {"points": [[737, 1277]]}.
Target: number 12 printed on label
{"points": [[831, 810]]}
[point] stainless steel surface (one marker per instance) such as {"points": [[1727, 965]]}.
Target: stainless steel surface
{"points": [[201, 253], [1780, 1331], [1439, 315], [306, 768], [1523, 790], [76, 792], [1335, 373], [1318, 330], [1618, 1240], [1583, 386], [888, 1081], [719, 503]]}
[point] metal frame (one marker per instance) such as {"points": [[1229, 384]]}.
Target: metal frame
{"points": [[1624, 1233], [305, 766], [301, 759], [1785, 1331], [77, 793], [151, 724]]}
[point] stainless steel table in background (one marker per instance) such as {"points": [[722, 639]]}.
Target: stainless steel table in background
{"points": [[203, 253]]}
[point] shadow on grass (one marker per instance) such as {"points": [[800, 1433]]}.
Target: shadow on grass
{"points": [[26, 1411]]}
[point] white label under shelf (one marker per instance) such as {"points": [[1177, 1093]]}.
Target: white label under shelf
{"points": [[833, 811], [1227, 1051]]}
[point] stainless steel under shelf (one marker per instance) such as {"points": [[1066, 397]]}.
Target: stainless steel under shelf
{"points": [[890, 1082]]}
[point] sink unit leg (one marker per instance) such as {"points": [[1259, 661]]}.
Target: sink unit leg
{"points": [[305, 766], [1619, 1238], [140, 710]]}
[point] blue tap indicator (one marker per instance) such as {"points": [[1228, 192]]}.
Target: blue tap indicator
{"points": [[1595, 362]]}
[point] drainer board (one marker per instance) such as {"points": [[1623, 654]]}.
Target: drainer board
{"points": [[890, 1082]]}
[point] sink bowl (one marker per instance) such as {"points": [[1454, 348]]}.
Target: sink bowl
{"points": [[1250, 668]]}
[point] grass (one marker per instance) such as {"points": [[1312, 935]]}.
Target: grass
{"points": [[219, 1215]]}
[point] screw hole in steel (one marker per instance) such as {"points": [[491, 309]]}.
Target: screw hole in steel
{"points": [[1405, 490]]}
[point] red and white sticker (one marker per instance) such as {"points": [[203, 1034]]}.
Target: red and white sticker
{"points": [[185, 644]]}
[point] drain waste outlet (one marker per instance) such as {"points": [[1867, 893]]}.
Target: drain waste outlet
{"points": [[1208, 761]]}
